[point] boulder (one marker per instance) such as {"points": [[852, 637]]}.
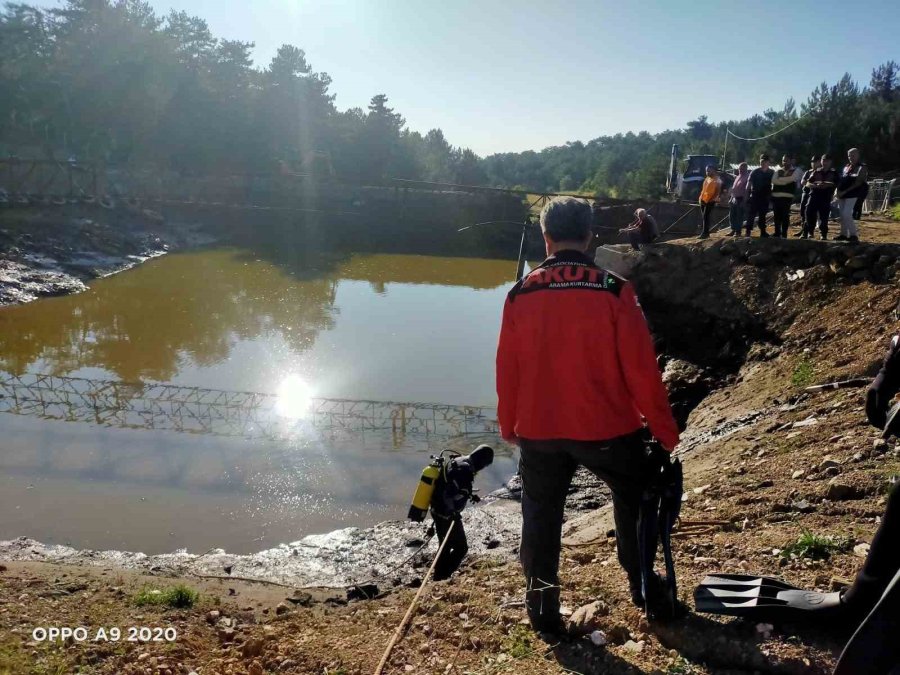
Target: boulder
{"points": [[252, 648], [838, 491], [858, 262]]}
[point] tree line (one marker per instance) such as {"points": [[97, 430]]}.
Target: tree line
{"points": [[110, 81], [833, 119]]}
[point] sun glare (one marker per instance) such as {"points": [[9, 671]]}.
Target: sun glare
{"points": [[294, 397]]}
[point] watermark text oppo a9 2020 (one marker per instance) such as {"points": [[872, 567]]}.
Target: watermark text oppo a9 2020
{"points": [[104, 634]]}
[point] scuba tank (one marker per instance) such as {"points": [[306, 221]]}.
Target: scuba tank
{"points": [[451, 498], [421, 500]]}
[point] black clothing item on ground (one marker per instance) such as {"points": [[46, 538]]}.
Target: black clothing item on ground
{"points": [[547, 468], [817, 210], [757, 207], [885, 386], [781, 210], [706, 210], [455, 550]]}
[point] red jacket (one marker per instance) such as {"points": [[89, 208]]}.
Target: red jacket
{"points": [[576, 360]]}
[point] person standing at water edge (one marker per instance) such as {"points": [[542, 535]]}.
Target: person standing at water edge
{"points": [[758, 193], [737, 200], [709, 197], [784, 191], [851, 186], [576, 372]]}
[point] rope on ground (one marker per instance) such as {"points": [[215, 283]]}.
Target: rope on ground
{"points": [[401, 627], [686, 528], [843, 384], [230, 577]]}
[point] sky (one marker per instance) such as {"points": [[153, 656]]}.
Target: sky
{"points": [[500, 76]]}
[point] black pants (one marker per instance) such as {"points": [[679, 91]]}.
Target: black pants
{"points": [[781, 210], [547, 468], [817, 210], [757, 207], [804, 200], [455, 550], [706, 210], [857, 208]]}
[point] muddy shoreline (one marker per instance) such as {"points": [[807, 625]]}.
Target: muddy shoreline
{"points": [[56, 250], [392, 553]]}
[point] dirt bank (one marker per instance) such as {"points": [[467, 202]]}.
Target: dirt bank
{"points": [[53, 250], [746, 324]]}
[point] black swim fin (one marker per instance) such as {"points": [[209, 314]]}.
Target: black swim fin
{"points": [[761, 598]]}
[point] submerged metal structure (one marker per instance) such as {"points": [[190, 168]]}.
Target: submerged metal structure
{"points": [[251, 415]]}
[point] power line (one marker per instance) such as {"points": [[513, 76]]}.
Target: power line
{"points": [[729, 132]]}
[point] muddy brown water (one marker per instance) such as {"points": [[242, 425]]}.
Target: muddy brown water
{"points": [[355, 326]]}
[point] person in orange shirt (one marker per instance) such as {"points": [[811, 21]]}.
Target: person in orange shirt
{"points": [[709, 197]]}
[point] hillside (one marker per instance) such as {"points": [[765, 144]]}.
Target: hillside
{"points": [[744, 326]]}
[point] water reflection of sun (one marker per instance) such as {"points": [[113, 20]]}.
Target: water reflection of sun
{"points": [[294, 397]]}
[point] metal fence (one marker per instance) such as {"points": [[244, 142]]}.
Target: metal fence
{"points": [[879, 197], [225, 413]]}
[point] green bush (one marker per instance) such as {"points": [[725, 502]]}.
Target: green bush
{"points": [[803, 373], [177, 597], [518, 643], [815, 547]]}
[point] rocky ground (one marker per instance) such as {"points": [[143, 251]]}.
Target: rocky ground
{"points": [[53, 250], [745, 327]]}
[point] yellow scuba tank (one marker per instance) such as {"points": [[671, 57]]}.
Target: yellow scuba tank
{"points": [[424, 490]]}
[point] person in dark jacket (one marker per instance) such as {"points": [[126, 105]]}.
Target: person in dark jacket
{"points": [[821, 189], [804, 195], [576, 377], [784, 191], [759, 189], [851, 186]]}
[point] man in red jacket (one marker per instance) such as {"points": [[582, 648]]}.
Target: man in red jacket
{"points": [[576, 378]]}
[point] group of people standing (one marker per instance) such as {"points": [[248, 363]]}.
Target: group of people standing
{"points": [[753, 192]]}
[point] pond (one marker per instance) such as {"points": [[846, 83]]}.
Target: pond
{"points": [[138, 443]]}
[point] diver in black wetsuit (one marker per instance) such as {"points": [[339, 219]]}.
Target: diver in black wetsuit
{"points": [[452, 491]]}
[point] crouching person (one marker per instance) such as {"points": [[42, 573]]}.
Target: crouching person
{"points": [[576, 373]]}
